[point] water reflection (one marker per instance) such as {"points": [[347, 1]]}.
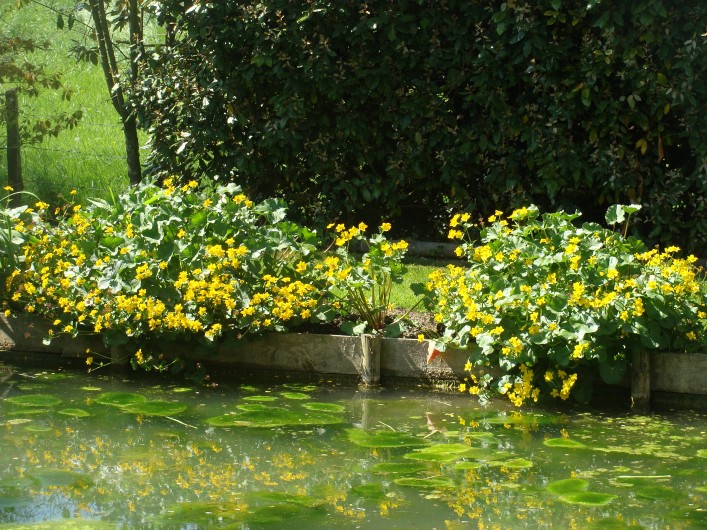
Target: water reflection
{"points": [[138, 455]]}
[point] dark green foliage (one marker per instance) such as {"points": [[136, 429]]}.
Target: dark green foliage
{"points": [[406, 109]]}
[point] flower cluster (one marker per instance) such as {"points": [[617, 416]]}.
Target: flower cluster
{"points": [[168, 261], [550, 304], [363, 284]]}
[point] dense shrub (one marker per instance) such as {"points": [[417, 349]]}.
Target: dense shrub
{"points": [[413, 107], [554, 305]]}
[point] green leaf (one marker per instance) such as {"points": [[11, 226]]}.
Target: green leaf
{"points": [[615, 214], [353, 328], [396, 329], [612, 372]]}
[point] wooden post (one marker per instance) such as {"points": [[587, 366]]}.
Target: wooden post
{"points": [[371, 362], [14, 160], [640, 380]]}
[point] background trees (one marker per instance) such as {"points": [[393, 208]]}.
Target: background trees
{"points": [[408, 110]]}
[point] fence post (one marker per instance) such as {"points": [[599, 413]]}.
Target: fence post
{"points": [[14, 159]]}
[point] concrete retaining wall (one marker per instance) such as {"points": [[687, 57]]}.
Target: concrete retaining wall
{"points": [[398, 359]]}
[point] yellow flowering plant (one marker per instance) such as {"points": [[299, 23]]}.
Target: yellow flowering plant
{"points": [[13, 220], [180, 260], [362, 283], [550, 305]]}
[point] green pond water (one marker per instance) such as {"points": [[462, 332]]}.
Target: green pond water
{"points": [[96, 451]]}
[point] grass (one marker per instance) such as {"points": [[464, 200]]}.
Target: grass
{"points": [[91, 157], [402, 296]]}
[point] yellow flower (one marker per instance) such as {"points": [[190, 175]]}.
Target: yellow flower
{"points": [[89, 361], [362, 226], [420, 337], [385, 227]]}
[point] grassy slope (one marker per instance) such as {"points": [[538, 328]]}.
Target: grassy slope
{"points": [[89, 158]]}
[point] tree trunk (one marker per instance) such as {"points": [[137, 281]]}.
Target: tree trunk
{"points": [[110, 70]]}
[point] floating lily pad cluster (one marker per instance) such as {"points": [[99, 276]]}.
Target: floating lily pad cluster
{"points": [[138, 404]]}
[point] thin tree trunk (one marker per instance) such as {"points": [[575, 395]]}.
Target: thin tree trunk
{"points": [[14, 151], [110, 70]]}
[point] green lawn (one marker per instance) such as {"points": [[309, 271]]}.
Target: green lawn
{"points": [[91, 157]]}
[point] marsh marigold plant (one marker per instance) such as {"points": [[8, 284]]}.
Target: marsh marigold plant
{"points": [[544, 305], [362, 282], [177, 260]]}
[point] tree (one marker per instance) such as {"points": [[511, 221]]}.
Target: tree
{"points": [[102, 44]]}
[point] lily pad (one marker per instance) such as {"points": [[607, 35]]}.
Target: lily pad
{"points": [[383, 439], [75, 413], [120, 399], [588, 498], [658, 492], [34, 400], [301, 387], [261, 399], [253, 407], [564, 443], [425, 483], [371, 492], [203, 514], [482, 436], [520, 419], [270, 497], [568, 485], [516, 463], [156, 408], [269, 417], [464, 466], [440, 453], [295, 395], [701, 453], [37, 427], [324, 407], [398, 468]]}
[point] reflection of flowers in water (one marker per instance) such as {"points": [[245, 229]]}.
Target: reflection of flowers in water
{"points": [[457, 466]]}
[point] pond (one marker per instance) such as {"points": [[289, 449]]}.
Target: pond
{"points": [[97, 451]]}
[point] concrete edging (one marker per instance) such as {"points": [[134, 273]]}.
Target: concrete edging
{"points": [[340, 355]]}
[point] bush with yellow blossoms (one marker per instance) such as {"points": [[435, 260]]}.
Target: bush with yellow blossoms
{"points": [[171, 261], [361, 272], [545, 306]]}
